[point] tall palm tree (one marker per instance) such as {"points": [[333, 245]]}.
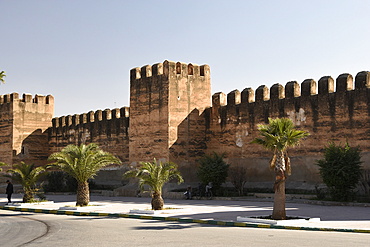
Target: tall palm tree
{"points": [[278, 136], [2, 75], [27, 175], [155, 175], [82, 162]]}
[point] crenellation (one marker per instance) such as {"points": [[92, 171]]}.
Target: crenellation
{"points": [[344, 83], [247, 95], [62, 121], [233, 98], [362, 80], [190, 69], [125, 112], [157, 69], [292, 90], [55, 122], [308, 87], [76, 119], [7, 98], [230, 113], [82, 118], [181, 69], [326, 85], [169, 69], [50, 99], [135, 74], [219, 99], [205, 70], [98, 115], [277, 91], [90, 117], [173, 117], [146, 71], [27, 98], [14, 97], [116, 113], [68, 120], [262, 93], [107, 114], [39, 99]]}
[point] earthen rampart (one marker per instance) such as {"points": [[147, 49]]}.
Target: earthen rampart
{"points": [[162, 96], [174, 117], [108, 128], [338, 115], [22, 126]]}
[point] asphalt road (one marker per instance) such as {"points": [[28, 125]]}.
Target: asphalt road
{"points": [[29, 229]]}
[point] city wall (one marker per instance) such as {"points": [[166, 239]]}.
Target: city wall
{"points": [[170, 120], [174, 117], [108, 128], [23, 122], [163, 98], [338, 115]]}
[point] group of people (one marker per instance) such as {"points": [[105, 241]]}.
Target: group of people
{"points": [[188, 193]]}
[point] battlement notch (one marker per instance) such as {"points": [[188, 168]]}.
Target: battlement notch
{"points": [[362, 79], [169, 68]]}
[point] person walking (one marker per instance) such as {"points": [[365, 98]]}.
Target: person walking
{"points": [[9, 191]]}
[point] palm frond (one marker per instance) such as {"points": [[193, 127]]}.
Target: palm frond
{"points": [[2, 75], [155, 174], [278, 136], [82, 162]]}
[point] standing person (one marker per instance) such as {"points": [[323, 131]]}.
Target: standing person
{"points": [[9, 191]]}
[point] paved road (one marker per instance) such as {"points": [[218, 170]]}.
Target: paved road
{"points": [[340, 217], [44, 230]]}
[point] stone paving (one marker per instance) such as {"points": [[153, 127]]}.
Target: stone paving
{"points": [[352, 218]]}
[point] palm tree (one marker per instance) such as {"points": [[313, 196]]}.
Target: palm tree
{"points": [[82, 162], [278, 136], [27, 175], [2, 75], [156, 175], [2, 164]]}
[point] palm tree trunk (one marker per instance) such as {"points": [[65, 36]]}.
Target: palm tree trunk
{"points": [[279, 212], [28, 195], [83, 194], [157, 201]]}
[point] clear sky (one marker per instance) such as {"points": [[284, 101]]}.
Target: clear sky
{"points": [[81, 51]]}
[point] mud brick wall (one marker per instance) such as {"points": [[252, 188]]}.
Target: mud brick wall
{"points": [[166, 102], [108, 128], [22, 127], [338, 115], [6, 129], [174, 117]]}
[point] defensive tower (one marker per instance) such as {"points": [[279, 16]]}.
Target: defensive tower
{"points": [[162, 97], [22, 127]]}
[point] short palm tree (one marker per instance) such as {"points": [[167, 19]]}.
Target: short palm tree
{"points": [[82, 162], [2, 75], [278, 136], [155, 175], [2, 164], [27, 175]]}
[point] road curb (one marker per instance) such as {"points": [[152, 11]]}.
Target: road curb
{"points": [[186, 220]]}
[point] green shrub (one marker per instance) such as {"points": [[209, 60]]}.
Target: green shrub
{"points": [[341, 170], [213, 169], [59, 181], [238, 177]]}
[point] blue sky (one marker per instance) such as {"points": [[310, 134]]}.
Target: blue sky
{"points": [[81, 51]]}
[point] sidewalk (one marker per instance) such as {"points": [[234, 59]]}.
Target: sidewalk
{"points": [[219, 212]]}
